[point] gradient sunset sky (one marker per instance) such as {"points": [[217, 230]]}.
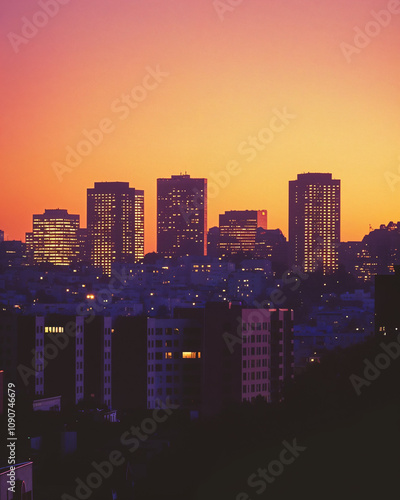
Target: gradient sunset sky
{"points": [[225, 78]]}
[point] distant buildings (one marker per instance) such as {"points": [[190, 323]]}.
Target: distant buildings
{"points": [[54, 238], [1, 236], [115, 224], [12, 253], [271, 244], [181, 216], [237, 230], [314, 222], [377, 253]]}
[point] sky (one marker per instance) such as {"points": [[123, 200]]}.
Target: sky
{"points": [[204, 79]]}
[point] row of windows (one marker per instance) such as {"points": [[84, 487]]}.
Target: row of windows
{"points": [[159, 392], [254, 388], [251, 339], [255, 351], [256, 326], [159, 367], [255, 363], [255, 375], [160, 343], [167, 331]]}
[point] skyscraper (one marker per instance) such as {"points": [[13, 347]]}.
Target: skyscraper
{"points": [[238, 228], [139, 225], [54, 238], [181, 216], [115, 224], [314, 221]]}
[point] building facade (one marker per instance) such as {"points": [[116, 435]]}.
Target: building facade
{"points": [[238, 229], [181, 216], [174, 362], [314, 222], [115, 224], [54, 238]]}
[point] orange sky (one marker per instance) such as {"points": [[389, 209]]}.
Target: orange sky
{"points": [[225, 79]]}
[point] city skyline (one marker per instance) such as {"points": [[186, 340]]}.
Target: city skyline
{"points": [[203, 89], [184, 213]]}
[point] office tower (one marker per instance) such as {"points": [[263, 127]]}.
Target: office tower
{"points": [[314, 222], [54, 238], [114, 224], [238, 230], [181, 216], [139, 225], [1, 236]]}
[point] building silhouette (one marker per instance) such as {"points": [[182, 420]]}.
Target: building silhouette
{"points": [[54, 238], [238, 229], [377, 253], [314, 222], [181, 216], [115, 224], [387, 297]]}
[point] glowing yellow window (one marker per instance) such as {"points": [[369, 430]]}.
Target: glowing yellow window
{"points": [[189, 355], [168, 355]]}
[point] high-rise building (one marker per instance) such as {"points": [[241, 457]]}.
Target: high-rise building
{"points": [[181, 216], [1, 236], [314, 222], [115, 224], [238, 230], [54, 238], [139, 225]]}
